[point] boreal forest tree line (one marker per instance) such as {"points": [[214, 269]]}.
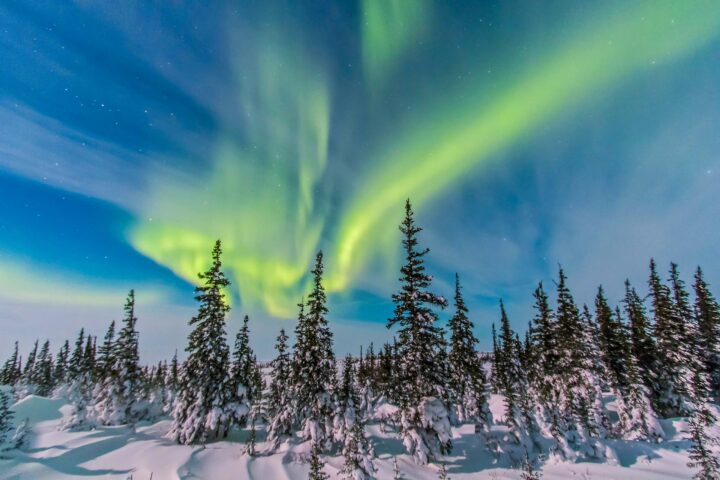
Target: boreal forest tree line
{"points": [[658, 356]]}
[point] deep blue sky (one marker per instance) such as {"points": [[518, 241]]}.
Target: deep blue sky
{"points": [[527, 135]]}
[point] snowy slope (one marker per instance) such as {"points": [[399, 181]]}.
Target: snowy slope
{"points": [[118, 453]]}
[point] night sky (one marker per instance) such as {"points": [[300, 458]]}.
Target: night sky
{"points": [[526, 133]]}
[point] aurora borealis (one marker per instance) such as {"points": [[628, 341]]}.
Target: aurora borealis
{"points": [[526, 134]]}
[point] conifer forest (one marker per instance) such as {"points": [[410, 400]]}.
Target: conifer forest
{"points": [[654, 358]]}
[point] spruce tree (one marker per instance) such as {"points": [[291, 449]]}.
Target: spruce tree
{"points": [[29, 372], [673, 351], [317, 464], [614, 343], [582, 412], [528, 470], [172, 378], [6, 421], [350, 429], [243, 369], [76, 363], [702, 453], [643, 344], [61, 364], [279, 404], [203, 409], [43, 376], [467, 376], [707, 311], [122, 383], [421, 349], [513, 384], [496, 367], [314, 374], [79, 386], [8, 374], [105, 352]]}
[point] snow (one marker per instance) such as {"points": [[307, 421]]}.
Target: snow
{"points": [[119, 452]]}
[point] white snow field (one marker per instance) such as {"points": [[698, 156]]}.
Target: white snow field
{"points": [[118, 453]]}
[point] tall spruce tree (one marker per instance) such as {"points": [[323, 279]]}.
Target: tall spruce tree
{"points": [[703, 452], [643, 344], [243, 367], [350, 428], [707, 311], [29, 372], [105, 352], [6, 422], [121, 381], [421, 351], [43, 375], [279, 405], [61, 364], [314, 375], [79, 385], [673, 352], [8, 374], [614, 343], [582, 410], [204, 409], [468, 383]]}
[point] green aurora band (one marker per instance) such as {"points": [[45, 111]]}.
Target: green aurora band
{"points": [[262, 198], [435, 152]]}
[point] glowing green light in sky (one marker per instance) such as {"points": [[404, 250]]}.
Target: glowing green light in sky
{"points": [[260, 199], [389, 27], [434, 153]]}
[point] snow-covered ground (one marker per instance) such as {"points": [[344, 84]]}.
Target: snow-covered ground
{"points": [[118, 453]]}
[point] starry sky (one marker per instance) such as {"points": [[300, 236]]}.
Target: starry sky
{"points": [[527, 134]]}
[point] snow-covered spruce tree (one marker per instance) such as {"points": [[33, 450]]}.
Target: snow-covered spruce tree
{"points": [[61, 366], [614, 343], [105, 353], [703, 450], [580, 402], [425, 425], [386, 381], [638, 420], [43, 375], [9, 373], [6, 421], [313, 373], [347, 409], [279, 400], [514, 386], [203, 409], [316, 464], [673, 350], [495, 371], [89, 355], [643, 344], [243, 369], [172, 378], [28, 380], [467, 377], [367, 379], [79, 385], [528, 470], [349, 429], [116, 398], [707, 311]]}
